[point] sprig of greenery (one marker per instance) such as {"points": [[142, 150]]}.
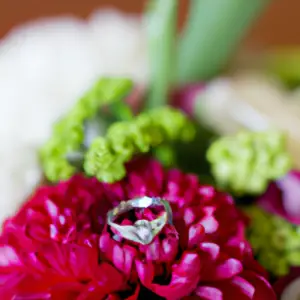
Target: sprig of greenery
{"points": [[212, 34], [161, 25], [106, 158], [69, 133]]}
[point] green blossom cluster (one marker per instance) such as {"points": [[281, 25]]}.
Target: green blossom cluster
{"points": [[107, 156], [245, 163], [68, 133], [276, 242]]}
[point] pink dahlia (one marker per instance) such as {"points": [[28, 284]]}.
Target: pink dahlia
{"points": [[283, 197], [58, 246]]}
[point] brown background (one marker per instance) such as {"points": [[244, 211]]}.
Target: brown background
{"points": [[279, 25]]}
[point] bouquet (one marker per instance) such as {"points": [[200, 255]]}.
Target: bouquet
{"points": [[145, 195]]}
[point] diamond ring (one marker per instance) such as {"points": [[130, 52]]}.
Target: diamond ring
{"points": [[142, 231]]}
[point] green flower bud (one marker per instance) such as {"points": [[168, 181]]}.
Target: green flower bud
{"points": [[274, 240], [101, 162], [54, 164], [152, 133], [121, 137], [245, 163], [175, 124]]}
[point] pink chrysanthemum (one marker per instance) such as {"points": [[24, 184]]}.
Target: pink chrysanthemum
{"points": [[58, 246]]}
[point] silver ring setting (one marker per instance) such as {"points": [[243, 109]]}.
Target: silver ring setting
{"points": [[142, 231]]}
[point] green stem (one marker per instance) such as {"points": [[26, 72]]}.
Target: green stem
{"points": [[211, 35], [161, 21]]}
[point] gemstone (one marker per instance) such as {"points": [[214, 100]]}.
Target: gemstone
{"points": [[144, 231]]}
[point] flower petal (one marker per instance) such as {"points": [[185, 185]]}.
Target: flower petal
{"points": [[9, 257], [209, 293], [263, 289], [184, 278]]}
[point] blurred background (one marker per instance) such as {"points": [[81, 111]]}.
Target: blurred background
{"points": [[52, 51], [277, 26]]}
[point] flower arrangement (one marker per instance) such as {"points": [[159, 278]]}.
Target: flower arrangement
{"points": [[145, 200], [69, 251]]}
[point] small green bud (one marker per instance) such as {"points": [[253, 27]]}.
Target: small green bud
{"points": [[101, 162], [245, 163], [274, 240]]}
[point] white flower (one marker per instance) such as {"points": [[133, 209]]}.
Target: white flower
{"points": [[44, 67], [254, 102]]}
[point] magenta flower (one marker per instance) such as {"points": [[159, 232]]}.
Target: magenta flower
{"points": [[283, 197], [58, 246], [186, 97]]}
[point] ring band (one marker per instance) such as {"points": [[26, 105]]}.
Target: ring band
{"points": [[142, 231]]}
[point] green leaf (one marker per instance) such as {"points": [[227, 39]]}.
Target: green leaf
{"points": [[213, 31], [161, 22]]}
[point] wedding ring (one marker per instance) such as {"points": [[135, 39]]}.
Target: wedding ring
{"points": [[142, 231]]}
